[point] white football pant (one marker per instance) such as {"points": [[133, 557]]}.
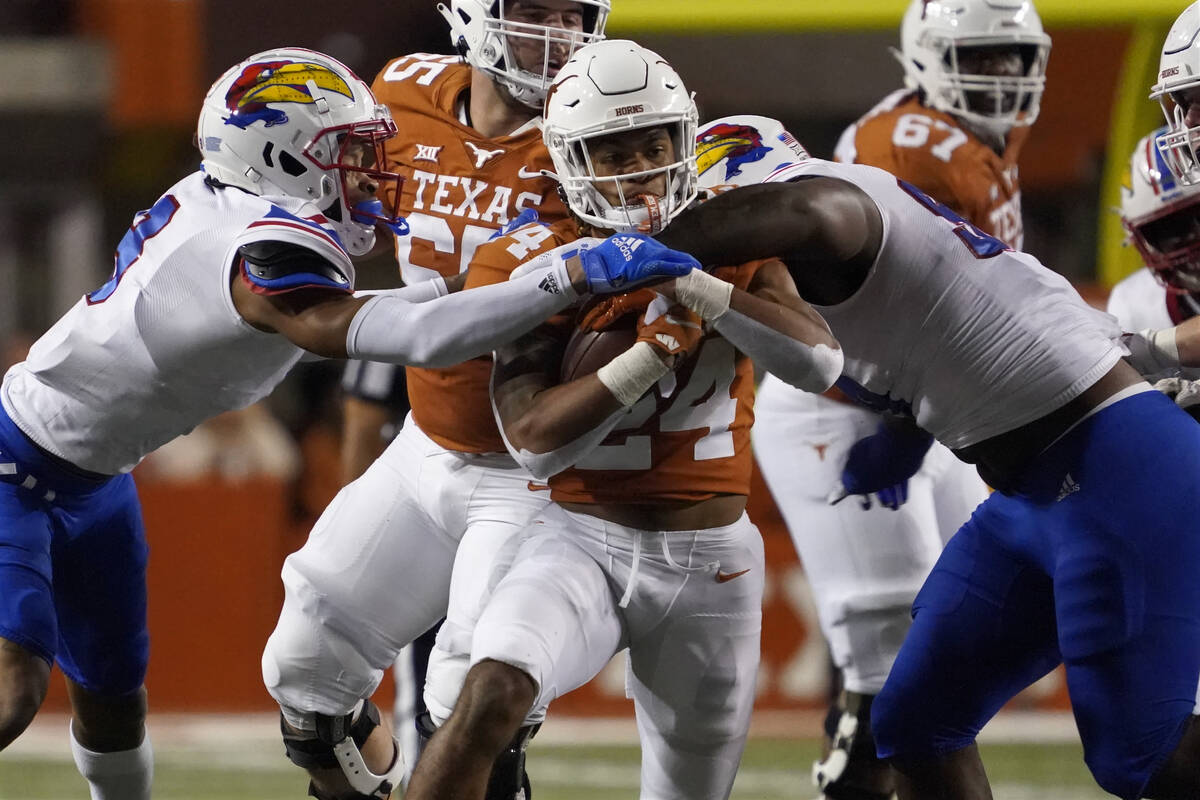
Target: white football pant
{"points": [[376, 569], [692, 626], [864, 565]]}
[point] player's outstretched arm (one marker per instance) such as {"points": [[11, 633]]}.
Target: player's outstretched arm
{"points": [[453, 328], [827, 231], [768, 321]]}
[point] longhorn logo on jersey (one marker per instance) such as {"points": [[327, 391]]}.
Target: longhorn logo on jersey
{"points": [[482, 156], [736, 144], [277, 82]]}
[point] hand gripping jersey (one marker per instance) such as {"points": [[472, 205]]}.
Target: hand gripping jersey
{"points": [[933, 150], [160, 348], [687, 439], [968, 336], [459, 189]]}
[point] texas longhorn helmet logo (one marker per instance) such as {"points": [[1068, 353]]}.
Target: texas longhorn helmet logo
{"points": [[736, 145], [277, 82]]}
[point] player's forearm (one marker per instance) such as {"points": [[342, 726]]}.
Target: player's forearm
{"points": [[558, 415], [811, 361], [783, 335], [1187, 340], [551, 429], [457, 327]]}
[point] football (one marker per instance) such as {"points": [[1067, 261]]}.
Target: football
{"points": [[588, 351]]}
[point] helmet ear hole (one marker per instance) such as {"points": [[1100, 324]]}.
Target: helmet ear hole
{"points": [[290, 164]]}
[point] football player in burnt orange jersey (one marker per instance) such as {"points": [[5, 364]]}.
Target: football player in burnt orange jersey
{"points": [[647, 545], [974, 75], [375, 571], [472, 155], [974, 71]]}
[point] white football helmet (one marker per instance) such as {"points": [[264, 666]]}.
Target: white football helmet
{"points": [[486, 35], [299, 123], [1179, 71], [933, 34], [744, 149], [1162, 218], [608, 88]]}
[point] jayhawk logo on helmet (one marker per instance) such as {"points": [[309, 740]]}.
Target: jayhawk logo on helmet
{"points": [[277, 82], [736, 144]]}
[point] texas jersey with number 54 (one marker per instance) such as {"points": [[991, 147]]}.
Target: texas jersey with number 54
{"points": [[459, 189]]}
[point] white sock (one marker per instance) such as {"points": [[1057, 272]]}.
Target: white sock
{"points": [[123, 775]]}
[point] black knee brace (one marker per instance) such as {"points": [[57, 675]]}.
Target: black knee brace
{"points": [[318, 753], [312, 753], [508, 780], [851, 746]]}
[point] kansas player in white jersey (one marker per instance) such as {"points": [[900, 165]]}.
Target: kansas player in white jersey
{"points": [[218, 289], [866, 556], [1078, 557], [1162, 219]]}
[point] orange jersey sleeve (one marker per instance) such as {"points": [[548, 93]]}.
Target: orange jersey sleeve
{"points": [[455, 405], [459, 189], [688, 439], [934, 152]]}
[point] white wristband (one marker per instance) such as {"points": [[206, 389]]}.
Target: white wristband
{"points": [[705, 294], [1152, 352], [631, 374], [1163, 345]]}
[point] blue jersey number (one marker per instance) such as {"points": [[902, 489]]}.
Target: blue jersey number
{"points": [[981, 244], [147, 225]]}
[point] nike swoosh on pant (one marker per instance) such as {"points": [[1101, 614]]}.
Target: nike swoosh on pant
{"points": [[722, 577]]}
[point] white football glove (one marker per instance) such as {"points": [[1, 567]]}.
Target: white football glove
{"points": [[1152, 352], [1184, 392]]}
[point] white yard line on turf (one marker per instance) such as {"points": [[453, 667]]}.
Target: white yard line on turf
{"points": [[258, 733]]}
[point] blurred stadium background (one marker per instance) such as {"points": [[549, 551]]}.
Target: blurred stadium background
{"points": [[98, 99]]}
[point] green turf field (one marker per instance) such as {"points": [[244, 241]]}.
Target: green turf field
{"points": [[771, 769]]}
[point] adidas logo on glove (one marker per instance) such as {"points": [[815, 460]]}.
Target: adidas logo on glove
{"points": [[550, 285], [627, 245]]}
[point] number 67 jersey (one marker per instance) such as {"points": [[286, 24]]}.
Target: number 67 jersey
{"points": [[933, 150]]}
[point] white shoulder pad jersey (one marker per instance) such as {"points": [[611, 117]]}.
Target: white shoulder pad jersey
{"points": [[160, 347], [1139, 301], [953, 327]]}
